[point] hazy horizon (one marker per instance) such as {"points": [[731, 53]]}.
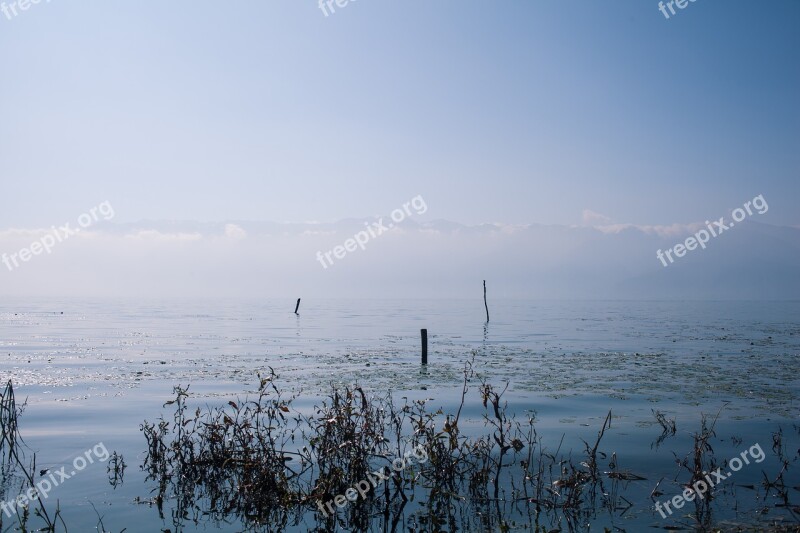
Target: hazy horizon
{"points": [[558, 147]]}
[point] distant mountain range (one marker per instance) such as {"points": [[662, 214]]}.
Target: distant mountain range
{"points": [[415, 259]]}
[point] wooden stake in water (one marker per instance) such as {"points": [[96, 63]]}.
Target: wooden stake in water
{"points": [[296, 307], [424, 333], [484, 301]]}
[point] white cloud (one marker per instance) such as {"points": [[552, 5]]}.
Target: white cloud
{"points": [[232, 231], [590, 217], [155, 235], [662, 231], [440, 259]]}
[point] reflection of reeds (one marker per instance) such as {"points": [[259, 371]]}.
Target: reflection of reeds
{"points": [[14, 462], [668, 428], [235, 455], [263, 462], [116, 469], [8, 420]]}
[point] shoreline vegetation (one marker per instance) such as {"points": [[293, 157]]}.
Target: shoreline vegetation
{"points": [[263, 464]]}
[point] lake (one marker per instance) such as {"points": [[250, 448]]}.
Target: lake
{"points": [[92, 371]]}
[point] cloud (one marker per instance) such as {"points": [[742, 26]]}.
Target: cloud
{"points": [[232, 231], [672, 230], [435, 260], [155, 235], [592, 218]]}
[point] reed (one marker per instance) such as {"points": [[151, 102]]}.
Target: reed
{"points": [[263, 462]]}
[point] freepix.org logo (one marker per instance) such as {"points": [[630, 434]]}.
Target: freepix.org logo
{"points": [[46, 484], [362, 488], [681, 4], [12, 9], [700, 487], [375, 229], [59, 234], [714, 230], [327, 5]]}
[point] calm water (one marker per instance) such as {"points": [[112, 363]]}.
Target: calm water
{"points": [[92, 371]]}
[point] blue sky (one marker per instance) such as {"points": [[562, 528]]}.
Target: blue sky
{"points": [[514, 112]]}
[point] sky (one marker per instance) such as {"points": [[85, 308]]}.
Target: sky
{"points": [[568, 113]]}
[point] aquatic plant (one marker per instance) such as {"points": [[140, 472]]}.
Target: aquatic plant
{"points": [[264, 462]]}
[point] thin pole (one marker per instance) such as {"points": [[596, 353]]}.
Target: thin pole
{"points": [[296, 307], [484, 301], [424, 334]]}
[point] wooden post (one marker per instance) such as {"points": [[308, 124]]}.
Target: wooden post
{"points": [[484, 301], [296, 307], [424, 333]]}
